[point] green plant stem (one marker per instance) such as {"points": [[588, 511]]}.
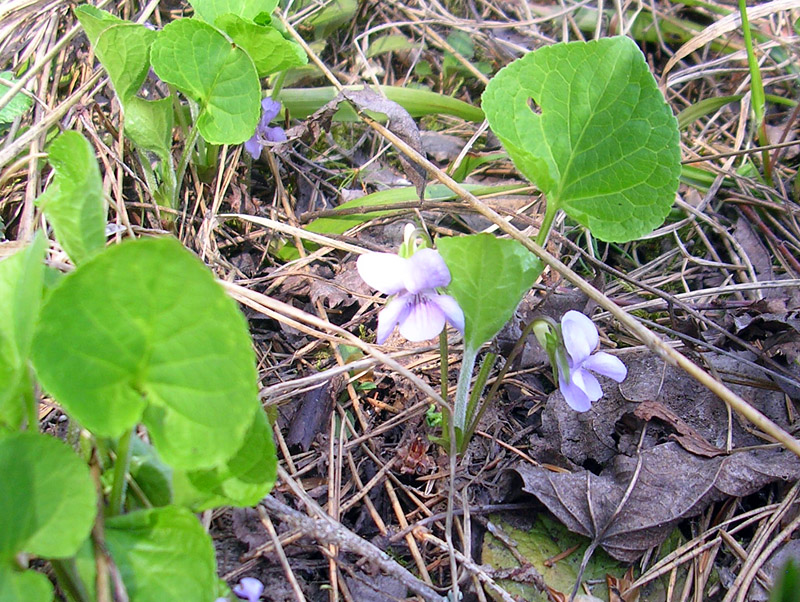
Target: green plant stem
{"points": [[443, 362], [149, 175], [476, 408], [187, 152], [69, 580], [462, 388], [757, 97], [547, 224], [121, 464], [278, 85]]}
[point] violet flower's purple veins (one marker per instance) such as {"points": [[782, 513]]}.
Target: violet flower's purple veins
{"points": [[249, 589], [580, 387], [264, 133], [417, 308]]}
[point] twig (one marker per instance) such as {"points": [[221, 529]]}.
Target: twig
{"points": [[477, 569], [327, 531]]}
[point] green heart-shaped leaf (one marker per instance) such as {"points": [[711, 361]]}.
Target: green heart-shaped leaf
{"points": [[489, 277], [163, 555], [246, 478], [28, 586], [95, 21], [210, 10], [124, 50], [202, 63], [153, 478], [598, 139], [270, 51], [143, 333], [74, 202], [48, 503], [21, 284]]}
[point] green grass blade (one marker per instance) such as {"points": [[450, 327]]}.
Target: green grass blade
{"points": [[302, 102]]}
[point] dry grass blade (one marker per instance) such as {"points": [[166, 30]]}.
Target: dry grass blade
{"points": [[726, 25]]}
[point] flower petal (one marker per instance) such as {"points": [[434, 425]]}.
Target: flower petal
{"points": [[273, 134], [426, 270], [607, 365], [424, 321], [586, 382], [253, 147], [383, 271], [270, 109], [393, 312], [580, 336], [574, 396], [451, 309], [249, 589]]}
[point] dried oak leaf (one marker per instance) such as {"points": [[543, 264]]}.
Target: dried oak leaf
{"points": [[670, 485]]}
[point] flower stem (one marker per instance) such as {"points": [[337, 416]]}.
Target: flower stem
{"points": [[443, 362], [476, 407], [462, 389], [121, 464], [278, 85]]}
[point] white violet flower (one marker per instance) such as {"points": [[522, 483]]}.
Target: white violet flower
{"points": [[417, 307], [577, 384]]}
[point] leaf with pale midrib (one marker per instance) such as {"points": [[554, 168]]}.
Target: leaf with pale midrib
{"points": [[586, 123], [489, 277], [143, 333]]}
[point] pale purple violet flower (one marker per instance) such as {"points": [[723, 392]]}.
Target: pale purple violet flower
{"points": [[580, 387], [420, 311], [249, 589], [264, 133]]}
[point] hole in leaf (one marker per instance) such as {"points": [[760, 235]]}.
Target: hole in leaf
{"points": [[534, 106]]}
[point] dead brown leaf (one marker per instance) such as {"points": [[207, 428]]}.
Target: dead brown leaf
{"points": [[672, 484], [340, 289], [312, 414], [688, 438], [400, 123], [618, 585], [611, 427]]}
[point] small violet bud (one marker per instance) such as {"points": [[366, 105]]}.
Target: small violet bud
{"points": [[417, 308], [264, 133], [249, 589], [571, 356]]}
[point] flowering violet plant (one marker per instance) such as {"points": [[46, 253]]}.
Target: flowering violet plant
{"points": [[570, 346], [413, 276], [264, 132]]}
